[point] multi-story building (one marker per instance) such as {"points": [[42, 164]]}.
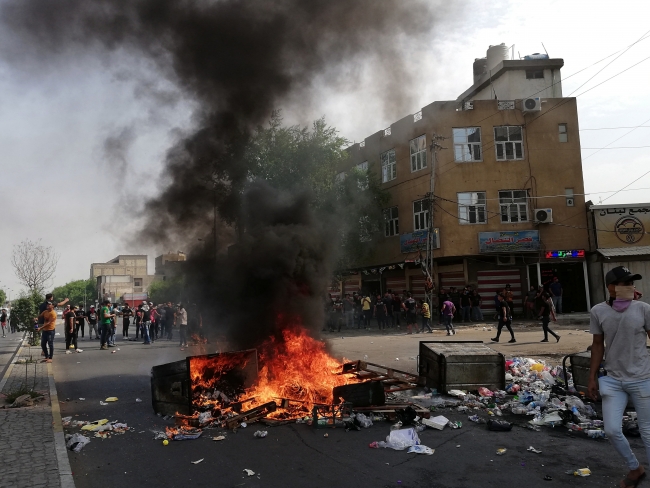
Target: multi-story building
{"points": [[508, 203], [170, 265], [124, 275]]}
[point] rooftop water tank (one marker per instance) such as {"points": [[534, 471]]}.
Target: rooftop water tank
{"points": [[535, 56], [496, 54], [480, 66]]}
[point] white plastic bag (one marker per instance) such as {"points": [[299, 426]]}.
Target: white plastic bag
{"points": [[401, 439], [421, 450], [76, 442], [364, 421]]}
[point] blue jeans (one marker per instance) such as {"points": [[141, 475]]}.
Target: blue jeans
{"points": [[557, 303], [467, 316], [145, 332], [615, 396], [477, 313], [447, 321], [426, 322], [47, 339]]}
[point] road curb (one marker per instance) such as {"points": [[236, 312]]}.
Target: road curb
{"points": [[65, 472], [11, 364]]}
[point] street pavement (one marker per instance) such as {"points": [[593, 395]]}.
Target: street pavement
{"points": [[297, 454]]}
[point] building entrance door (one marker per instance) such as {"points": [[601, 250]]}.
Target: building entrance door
{"points": [[572, 279]]}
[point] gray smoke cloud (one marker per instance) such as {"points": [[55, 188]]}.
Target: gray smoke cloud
{"points": [[237, 61]]}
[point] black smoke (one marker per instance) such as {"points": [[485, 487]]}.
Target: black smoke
{"points": [[236, 61]]}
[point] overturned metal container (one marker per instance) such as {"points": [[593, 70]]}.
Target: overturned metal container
{"points": [[461, 365], [172, 388]]}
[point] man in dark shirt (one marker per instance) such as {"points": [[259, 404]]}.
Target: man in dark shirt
{"points": [[388, 303], [169, 321], [542, 304], [409, 306], [475, 299], [397, 309], [92, 323], [126, 320], [69, 319], [455, 299], [43, 306], [556, 294], [80, 319], [380, 312], [466, 305]]}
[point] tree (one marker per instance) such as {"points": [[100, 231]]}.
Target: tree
{"points": [[74, 290], [3, 298], [34, 264], [296, 158], [166, 291], [25, 309]]}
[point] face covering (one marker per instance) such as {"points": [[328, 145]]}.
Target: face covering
{"points": [[624, 296]]}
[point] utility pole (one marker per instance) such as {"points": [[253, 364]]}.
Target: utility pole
{"points": [[427, 265]]}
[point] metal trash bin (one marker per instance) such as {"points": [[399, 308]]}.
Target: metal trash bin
{"points": [[461, 365], [580, 363]]}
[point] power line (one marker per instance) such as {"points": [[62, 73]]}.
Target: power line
{"points": [[615, 147], [647, 172], [625, 127]]}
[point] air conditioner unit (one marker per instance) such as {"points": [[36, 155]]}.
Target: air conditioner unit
{"points": [[543, 215], [505, 260], [531, 105]]}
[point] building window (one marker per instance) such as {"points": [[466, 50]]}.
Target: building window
{"points": [[421, 215], [391, 222], [467, 144], [471, 208], [137, 281], [418, 153], [362, 168], [514, 206], [388, 166], [562, 133], [508, 142], [534, 74]]}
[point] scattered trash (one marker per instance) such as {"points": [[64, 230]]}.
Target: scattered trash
{"points": [[113, 351], [111, 399], [76, 442], [401, 439], [501, 452], [260, 433], [439, 422], [326, 435], [249, 472], [165, 442], [420, 449], [582, 472], [499, 426], [158, 435], [68, 352], [532, 449], [66, 420], [219, 438], [102, 403], [547, 478], [197, 462], [137, 400], [205, 417], [97, 425], [243, 425]]}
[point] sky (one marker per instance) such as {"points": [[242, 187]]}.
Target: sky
{"points": [[60, 186]]}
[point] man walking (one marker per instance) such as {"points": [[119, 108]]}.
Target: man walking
{"points": [[530, 302], [556, 294], [48, 316], [544, 308], [3, 322], [409, 305], [620, 328], [69, 320], [426, 316], [504, 319], [447, 312]]}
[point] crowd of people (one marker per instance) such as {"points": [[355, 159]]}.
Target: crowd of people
{"points": [[147, 322]]}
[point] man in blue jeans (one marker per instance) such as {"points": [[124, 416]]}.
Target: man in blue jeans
{"points": [[556, 294], [48, 316], [621, 327]]}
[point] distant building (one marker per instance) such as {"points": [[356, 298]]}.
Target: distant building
{"points": [[124, 275], [169, 265]]}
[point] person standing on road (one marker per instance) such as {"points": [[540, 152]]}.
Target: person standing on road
{"points": [[126, 320], [13, 322], [426, 316], [366, 309], [46, 328], [466, 305], [348, 311], [146, 321], [69, 319], [476, 306], [181, 318], [620, 328], [92, 323], [380, 313], [447, 311], [505, 319], [397, 310], [105, 329], [410, 305], [544, 310], [556, 294], [80, 319], [3, 322]]}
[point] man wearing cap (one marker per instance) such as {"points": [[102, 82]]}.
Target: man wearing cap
{"points": [[620, 328]]}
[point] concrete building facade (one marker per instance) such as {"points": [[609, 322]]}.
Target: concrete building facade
{"points": [[122, 275], [507, 205], [169, 265]]}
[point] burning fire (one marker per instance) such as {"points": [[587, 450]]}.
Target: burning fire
{"points": [[293, 366]]}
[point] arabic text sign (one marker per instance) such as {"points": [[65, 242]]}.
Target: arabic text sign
{"points": [[574, 253], [413, 242], [622, 226], [508, 241]]}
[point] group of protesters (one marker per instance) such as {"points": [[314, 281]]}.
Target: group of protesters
{"points": [[150, 322]]}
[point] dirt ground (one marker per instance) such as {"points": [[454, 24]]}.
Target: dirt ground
{"points": [[398, 350]]}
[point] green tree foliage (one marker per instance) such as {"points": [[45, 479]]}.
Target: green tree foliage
{"points": [[25, 309], [297, 158], [3, 298], [166, 291], [74, 290]]}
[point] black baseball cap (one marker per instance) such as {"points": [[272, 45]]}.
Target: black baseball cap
{"points": [[620, 273]]}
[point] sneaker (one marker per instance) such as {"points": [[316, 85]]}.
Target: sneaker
{"points": [[80, 350], [558, 338], [111, 345], [448, 333], [544, 340], [104, 347], [495, 339], [512, 340]]}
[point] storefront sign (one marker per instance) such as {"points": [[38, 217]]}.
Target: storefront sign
{"points": [[508, 241], [621, 225], [417, 241], [575, 253]]}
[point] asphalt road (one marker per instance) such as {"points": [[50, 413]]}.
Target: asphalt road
{"points": [[297, 455], [8, 347]]}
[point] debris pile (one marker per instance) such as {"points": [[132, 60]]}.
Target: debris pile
{"points": [[102, 428]]}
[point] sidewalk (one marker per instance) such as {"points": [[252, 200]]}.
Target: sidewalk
{"points": [[32, 445]]}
